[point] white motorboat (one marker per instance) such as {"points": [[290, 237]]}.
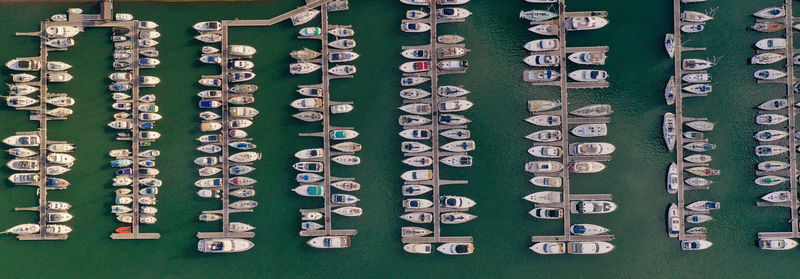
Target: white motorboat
{"points": [[543, 166], [544, 120], [329, 242], [224, 245], [546, 181], [696, 78], [453, 106], [672, 179], [586, 167], [22, 140], [693, 245], [416, 14], [668, 130], [693, 28], [539, 76], [343, 44], [584, 23], [673, 221], [342, 70], [341, 32], [414, 27], [591, 148], [771, 44], [703, 206], [347, 160], [549, 248], [692, 16], [592, 207], [588, 75], [544, 151], [415, 190], [456, 248], [241, 50], [421, 248], [452, 13], [417, 175], [589, 248], [542, 60], [60, 43], [304, 17], [545, 136], [417, 203], [542, 45], [418, 161], [777, 244], [588, 58], [547, 213], [590, 130], [206, 26], [24, 64], [544, 197], [456, 217], [344, 56], [62, 31], [698, 218]]}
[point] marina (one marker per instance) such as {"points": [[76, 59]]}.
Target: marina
{"points": [[787, 20], [574, 159], [678, 215], [421, 181]]}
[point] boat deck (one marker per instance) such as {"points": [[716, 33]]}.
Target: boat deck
{"points": [[788, 21], [564, 86]]}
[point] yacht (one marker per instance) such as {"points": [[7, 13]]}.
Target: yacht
{"points": [[62, 31], [347, 160], [537, 15], [452, 13], [697, 78], [584, 23], [544, 151], [416, 134], [414, 94], [454, 106], [458, 161], [453, 119], [698, 219], [61, 101], [587, 229], [304, 17], [346, 185], [589, 248], [545, 136], [692, 64], [206, 26], [772, 166], [448, 52], [542, 45], [413, 147], [417, 108], [700, 125], [416, 14], [416, 53], [770, 13], [547, 213], [673, 221], [703, 206], [417, 203], [456, 248], [544, 197], [341, 32], [668, 130], [418, 161], [547, 29], [542, 60], [24, 64], [414, 67], [768, 74], [774, 104], [539, 76], [344, 56], [543, 166], [342, 70], [549, 248], [224, 245], [240, 76], [592, 207], [693, 245], [417, 175], [703, 171], [693, 28], [22, 140], [770, 119], [590, 148], [415, 190], [766, 58], [669, 44], [767, 27], [414, 27], [418, 217], [771, 44], [777, 244], [209, 38], [588, 58], [413, 81], [777, 196], [590, 130], [60, 43], [23, 165], [588, 75], [456, 217], [450, 91], [546, 181], [770, 135], [21, 152], [770, 180], [692, 16], [544, 120], [343, 44], [21, 90], [586, 167], [598, 110], [20, 101], [770, 150], [698, 158]]}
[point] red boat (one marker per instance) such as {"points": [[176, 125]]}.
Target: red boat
{"points": [[126, 229]]}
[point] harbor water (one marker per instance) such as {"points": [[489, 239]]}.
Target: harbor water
{"points": [[638, 68]]}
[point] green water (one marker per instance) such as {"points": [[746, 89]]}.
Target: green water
{"points": [[638, 67]]}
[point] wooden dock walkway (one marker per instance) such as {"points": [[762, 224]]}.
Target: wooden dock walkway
{"points": [[136, 140], [788, 21], [327, 230], [566, 159], [435, 128]]}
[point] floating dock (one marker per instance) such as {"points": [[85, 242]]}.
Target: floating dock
{"points": [[435, 128], [788, 21], [326, 134], [566, 159], [680, 118]]}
